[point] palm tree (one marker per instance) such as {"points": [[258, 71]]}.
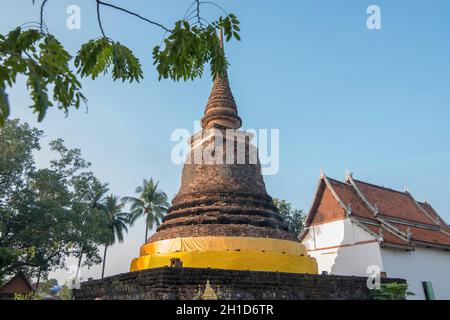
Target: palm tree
{"points": [[117, 221], [150, 202], [94, 198]]}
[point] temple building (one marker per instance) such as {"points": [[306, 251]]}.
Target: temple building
{"points": [[223, 238], [19, 284], [356, 228], [222, 216]]}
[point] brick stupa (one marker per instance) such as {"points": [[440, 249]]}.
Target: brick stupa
{"points": [[228, 200], [222, 216]]}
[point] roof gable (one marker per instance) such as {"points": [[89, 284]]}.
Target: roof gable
{"points": [[393, 203], [18, 284], [432, 213], [393, 216], [326, 207], [349, 196]]}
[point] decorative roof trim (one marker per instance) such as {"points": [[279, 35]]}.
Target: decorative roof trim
{"points": [[395, 231], [431, 245], [380, 187], [323, 179], [366, 220], [441, 220], [362, 226], [335, 195], [391, 229], [435, 220], [398, 246], [383, 220], [372, 208], [315, 198], [410, 223]]}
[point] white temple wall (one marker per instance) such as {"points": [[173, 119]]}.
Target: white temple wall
{"points": [[423, 264], [342, 247]]}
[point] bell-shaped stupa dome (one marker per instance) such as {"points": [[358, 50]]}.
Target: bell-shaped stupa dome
{"points": [[222, 216]]}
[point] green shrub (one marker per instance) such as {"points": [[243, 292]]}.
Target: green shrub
{"points": [[29, 296], [391, 291]]}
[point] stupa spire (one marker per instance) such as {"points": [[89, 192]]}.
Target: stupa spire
{"points": [[221, 109], [222, 216]]}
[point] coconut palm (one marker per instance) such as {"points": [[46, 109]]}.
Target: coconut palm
{"points": [[150, 203], [93, 197], [116, 220]]}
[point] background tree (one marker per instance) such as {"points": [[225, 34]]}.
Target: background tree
{"points": [[17, 143], [48, 214], [294, 219], [90, 222], [43, 223], [45, 290], [36, 54], [117, 222], [45, 287], [150, 203], [65, 293]]}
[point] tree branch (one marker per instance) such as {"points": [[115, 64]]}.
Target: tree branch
{"points": [[198, 12], [42, 15], [100, 20], [216, 5], [133, 14]]}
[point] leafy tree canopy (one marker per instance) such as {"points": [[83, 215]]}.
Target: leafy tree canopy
{"points": [[42, 59], [294, 219], [48, 214]]}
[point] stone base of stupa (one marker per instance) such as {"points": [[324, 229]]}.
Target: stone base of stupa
{"points": [[207, 284]]}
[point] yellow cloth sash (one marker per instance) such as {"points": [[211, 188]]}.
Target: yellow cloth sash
{"points": [[230, 253], [223, 244]]}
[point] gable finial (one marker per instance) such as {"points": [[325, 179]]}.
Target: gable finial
{"points": [[348, 175], [322, 172], [349, 209], [376, 212], [381, 232], [408, 233]]}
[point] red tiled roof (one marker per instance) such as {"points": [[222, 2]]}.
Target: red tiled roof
{"points": [[388, 236], [380, 207], [326, 207], [393, 203], [424, 235], [349, 195], [17, 284], [430, 210]]}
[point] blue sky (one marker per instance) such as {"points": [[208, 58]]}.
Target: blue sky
{"points": [[376, 102]]}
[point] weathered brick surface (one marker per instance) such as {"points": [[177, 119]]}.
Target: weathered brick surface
{"points": [[190, 284], [221, 108], [221, 230], [222, 200], [219, 197]]}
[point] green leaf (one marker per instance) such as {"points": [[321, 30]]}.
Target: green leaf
{"points": [[98, 56], [4, 106], [44, 61], [187, 49], [38, 88]]}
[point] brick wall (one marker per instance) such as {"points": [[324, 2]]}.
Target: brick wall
{"points": [[189, 284]]}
